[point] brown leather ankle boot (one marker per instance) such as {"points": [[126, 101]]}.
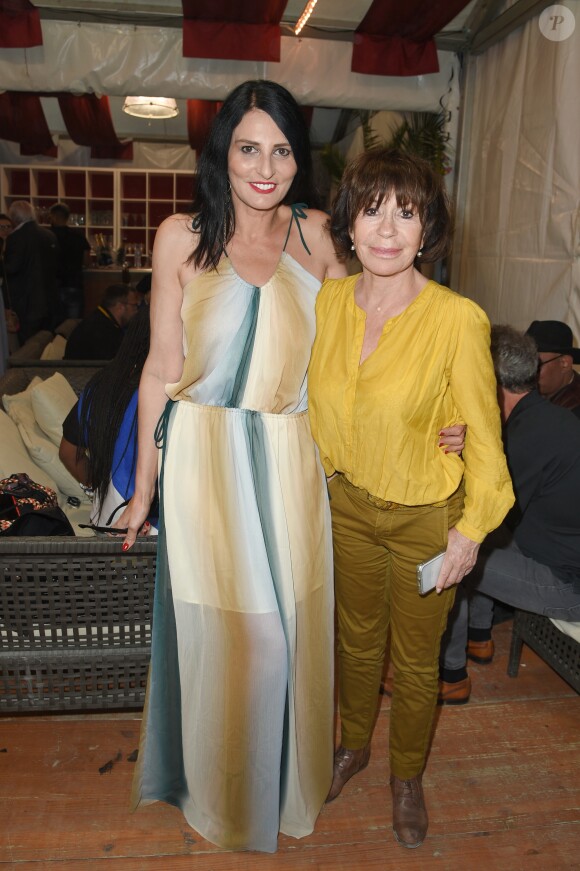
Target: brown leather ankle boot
{"points": [[409, 812], [346, 764]]}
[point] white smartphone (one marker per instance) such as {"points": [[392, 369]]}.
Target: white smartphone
{"points": [[428, 572]]}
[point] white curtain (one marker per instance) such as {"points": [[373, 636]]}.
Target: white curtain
{"points": [[518, 227]]}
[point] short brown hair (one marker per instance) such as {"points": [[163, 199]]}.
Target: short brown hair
{"points": [[114, 294], [60, 209], [373, 176]]}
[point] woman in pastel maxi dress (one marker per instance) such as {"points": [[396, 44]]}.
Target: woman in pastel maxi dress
{"points": [[237, 729]]}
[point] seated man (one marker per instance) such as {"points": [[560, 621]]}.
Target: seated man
{"points": [[99, 335], [533, 560], [557, 380]]}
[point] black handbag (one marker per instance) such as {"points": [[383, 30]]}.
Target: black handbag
{"points": [[28, 508]]}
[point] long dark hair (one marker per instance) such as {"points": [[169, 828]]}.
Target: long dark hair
{"points": [[105, 400], [214, 213]]}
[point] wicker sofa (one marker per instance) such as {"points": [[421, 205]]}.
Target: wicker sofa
{"points": [[75, 624], [555, 647]]}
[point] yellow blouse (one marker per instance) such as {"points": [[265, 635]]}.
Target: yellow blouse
{"points": [[378, 423]]}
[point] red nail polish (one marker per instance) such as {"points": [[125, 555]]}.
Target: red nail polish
{"points": [[446, 452], [125, 546]]}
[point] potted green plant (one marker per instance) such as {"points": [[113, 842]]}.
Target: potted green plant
{"points": [[420, 133]]}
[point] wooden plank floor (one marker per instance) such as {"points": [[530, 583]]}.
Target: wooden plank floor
{"points": [[502, 787]]}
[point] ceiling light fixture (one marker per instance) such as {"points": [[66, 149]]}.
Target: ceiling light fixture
{"points": [[308, 10], [151, 107]]}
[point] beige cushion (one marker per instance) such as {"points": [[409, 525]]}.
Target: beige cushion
{"points": [[55, 349], [42, 451], [15, 458], [568, 628], [51, 402], [19, 405], [45, 455]]}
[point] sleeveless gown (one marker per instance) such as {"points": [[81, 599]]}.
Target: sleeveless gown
{"points": [[237, 727]]}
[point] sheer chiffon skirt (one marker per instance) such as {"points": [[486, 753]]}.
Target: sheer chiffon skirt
{"points": [[237, 728]]}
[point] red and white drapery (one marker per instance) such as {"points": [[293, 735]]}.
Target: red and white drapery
{"points": [[232, 30], [393, 39], [88, 121], [22, 120], [86, 117], [19, 24], [397, 39]]}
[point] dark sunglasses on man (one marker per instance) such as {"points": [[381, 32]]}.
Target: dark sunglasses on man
{"points": [[551, 360]]}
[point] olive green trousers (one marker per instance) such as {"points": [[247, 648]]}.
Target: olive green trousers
{"points": [[377, 546]]}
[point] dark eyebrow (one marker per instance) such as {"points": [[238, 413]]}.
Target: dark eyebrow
{"points": [[251, 142]]}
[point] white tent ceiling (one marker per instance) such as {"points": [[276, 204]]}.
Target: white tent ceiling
{"points": [[122, 47], [128, 47], [331, 18]]}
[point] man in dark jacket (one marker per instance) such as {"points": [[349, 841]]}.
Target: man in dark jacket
{"points": [[532, 561], [73, 256], [30, 262], [100, 334]]}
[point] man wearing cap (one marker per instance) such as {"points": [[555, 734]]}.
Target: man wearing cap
{"points": [[557, 380], [532, 561]]}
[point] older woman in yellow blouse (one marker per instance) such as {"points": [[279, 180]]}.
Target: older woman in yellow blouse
{"points": [[396, 359]]}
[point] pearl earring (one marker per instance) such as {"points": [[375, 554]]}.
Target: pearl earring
{"points": [[420, 252], [352, 248]]}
